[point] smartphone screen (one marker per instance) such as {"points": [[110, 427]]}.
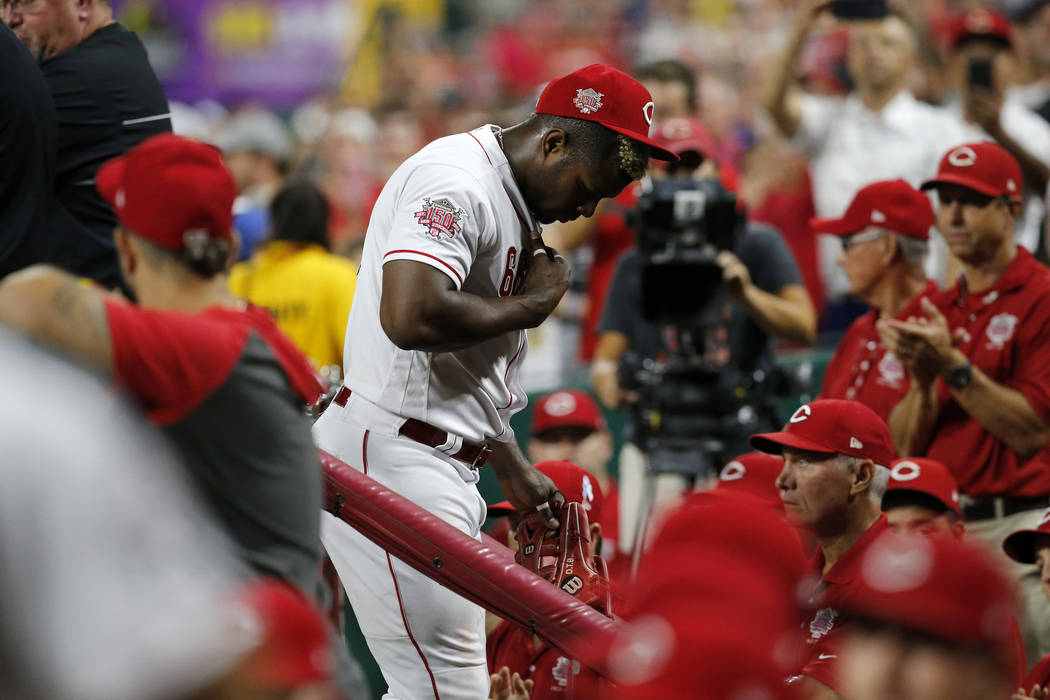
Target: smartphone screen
{"points": [[979, 73], [858, 9]]}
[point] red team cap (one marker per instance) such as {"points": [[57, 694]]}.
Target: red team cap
{"points": [[938, 586], [755, 474], [1021, 545], [683, 134], [926, 476], [294, 648], [829, 426], [980, 23], [983, 166], [575, 483], [171, 190], [610, 97], [891, 204], [570, 408]]}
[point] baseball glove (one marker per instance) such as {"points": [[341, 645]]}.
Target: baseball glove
{"points": [[565, 556]]}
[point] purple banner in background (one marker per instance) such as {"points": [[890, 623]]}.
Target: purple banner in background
{"points": [[280, 52]]}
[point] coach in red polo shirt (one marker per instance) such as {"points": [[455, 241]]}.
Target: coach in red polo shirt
{"points": [[836, 466], [885, 233], [979, 399]]}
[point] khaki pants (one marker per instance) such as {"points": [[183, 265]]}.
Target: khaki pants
{"points": [[1033, 614]]}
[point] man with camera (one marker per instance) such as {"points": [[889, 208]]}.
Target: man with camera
{"points": [[754, 292], [982, 65]]}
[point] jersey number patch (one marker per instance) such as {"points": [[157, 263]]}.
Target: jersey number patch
{"points": [[506, 285]]}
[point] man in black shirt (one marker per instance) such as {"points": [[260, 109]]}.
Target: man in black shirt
{"points": [[34, 227], [107, 98]]}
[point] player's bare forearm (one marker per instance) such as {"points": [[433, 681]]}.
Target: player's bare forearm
{"points": [[420, 309], [1005, 413], [789, 314], [524, 486], [59, 310], [912, 419]]}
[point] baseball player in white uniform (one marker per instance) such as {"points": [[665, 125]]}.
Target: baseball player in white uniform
{"points": [[453, 271]]}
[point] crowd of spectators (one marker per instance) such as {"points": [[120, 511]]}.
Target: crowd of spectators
{"points": [[826, 131]]}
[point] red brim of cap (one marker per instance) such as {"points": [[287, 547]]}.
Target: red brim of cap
{"points": [[108, 180], [835, 227], [969, 182], [1020, 545], [774, 443], [498, 510], [655, 150]]}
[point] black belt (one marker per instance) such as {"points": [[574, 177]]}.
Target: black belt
{"points": [[473, 454], [987, 507]]}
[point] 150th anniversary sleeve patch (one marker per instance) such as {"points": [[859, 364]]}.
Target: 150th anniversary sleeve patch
{"points": [[439, 216]]}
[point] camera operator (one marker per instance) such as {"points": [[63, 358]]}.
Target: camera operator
{"points": [[760, 295]]}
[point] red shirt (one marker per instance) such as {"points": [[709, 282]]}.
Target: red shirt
{"points": [[554, 675], [827, 626], [1008, 338], [1040, 674], [863, 369], [171, 361]]}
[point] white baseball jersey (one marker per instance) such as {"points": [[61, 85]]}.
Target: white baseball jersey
{"points": [[455, 206]]}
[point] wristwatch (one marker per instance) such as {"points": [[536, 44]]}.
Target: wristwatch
{"points": [[958, 377]]}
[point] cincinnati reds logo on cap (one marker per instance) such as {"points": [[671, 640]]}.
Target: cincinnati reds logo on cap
{"points": [[877, 216], [560, 404], [962, 157], [588, 100], [802, 413], [732, 471], [647, 112], [1044, 518], [905, 471]]}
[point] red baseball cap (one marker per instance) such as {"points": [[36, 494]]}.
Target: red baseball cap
{"points": [[983, 166], [832, 425], [575, 483], [927, 476], [566, 408], [683, 134], [890, 204], [171, 190], [603, 94], [754, 473], [1020, 545], [294, 647], [979, 23], [937, 586]]}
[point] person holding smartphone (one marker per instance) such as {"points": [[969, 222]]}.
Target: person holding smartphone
{"points": [[982, 65], [880, 131]]}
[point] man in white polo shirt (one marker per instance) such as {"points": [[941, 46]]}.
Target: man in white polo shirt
{"points": [[453, 271]]}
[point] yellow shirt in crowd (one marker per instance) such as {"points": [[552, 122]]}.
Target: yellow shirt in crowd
{"points": [[307, 290]]}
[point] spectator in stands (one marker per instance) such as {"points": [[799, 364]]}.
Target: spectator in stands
{"points": [[879, 132], [228, 388], [674, 87], [982, 66], [884, 235], [1031, 24], [1028, 547], [931, 618], [979, 396], [34, 226], [922, 498], [258, 151], [836, 467], [108, 101], [306, 289]]}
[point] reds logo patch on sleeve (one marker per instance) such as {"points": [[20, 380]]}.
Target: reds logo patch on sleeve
{"points": [[440, 217]]}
